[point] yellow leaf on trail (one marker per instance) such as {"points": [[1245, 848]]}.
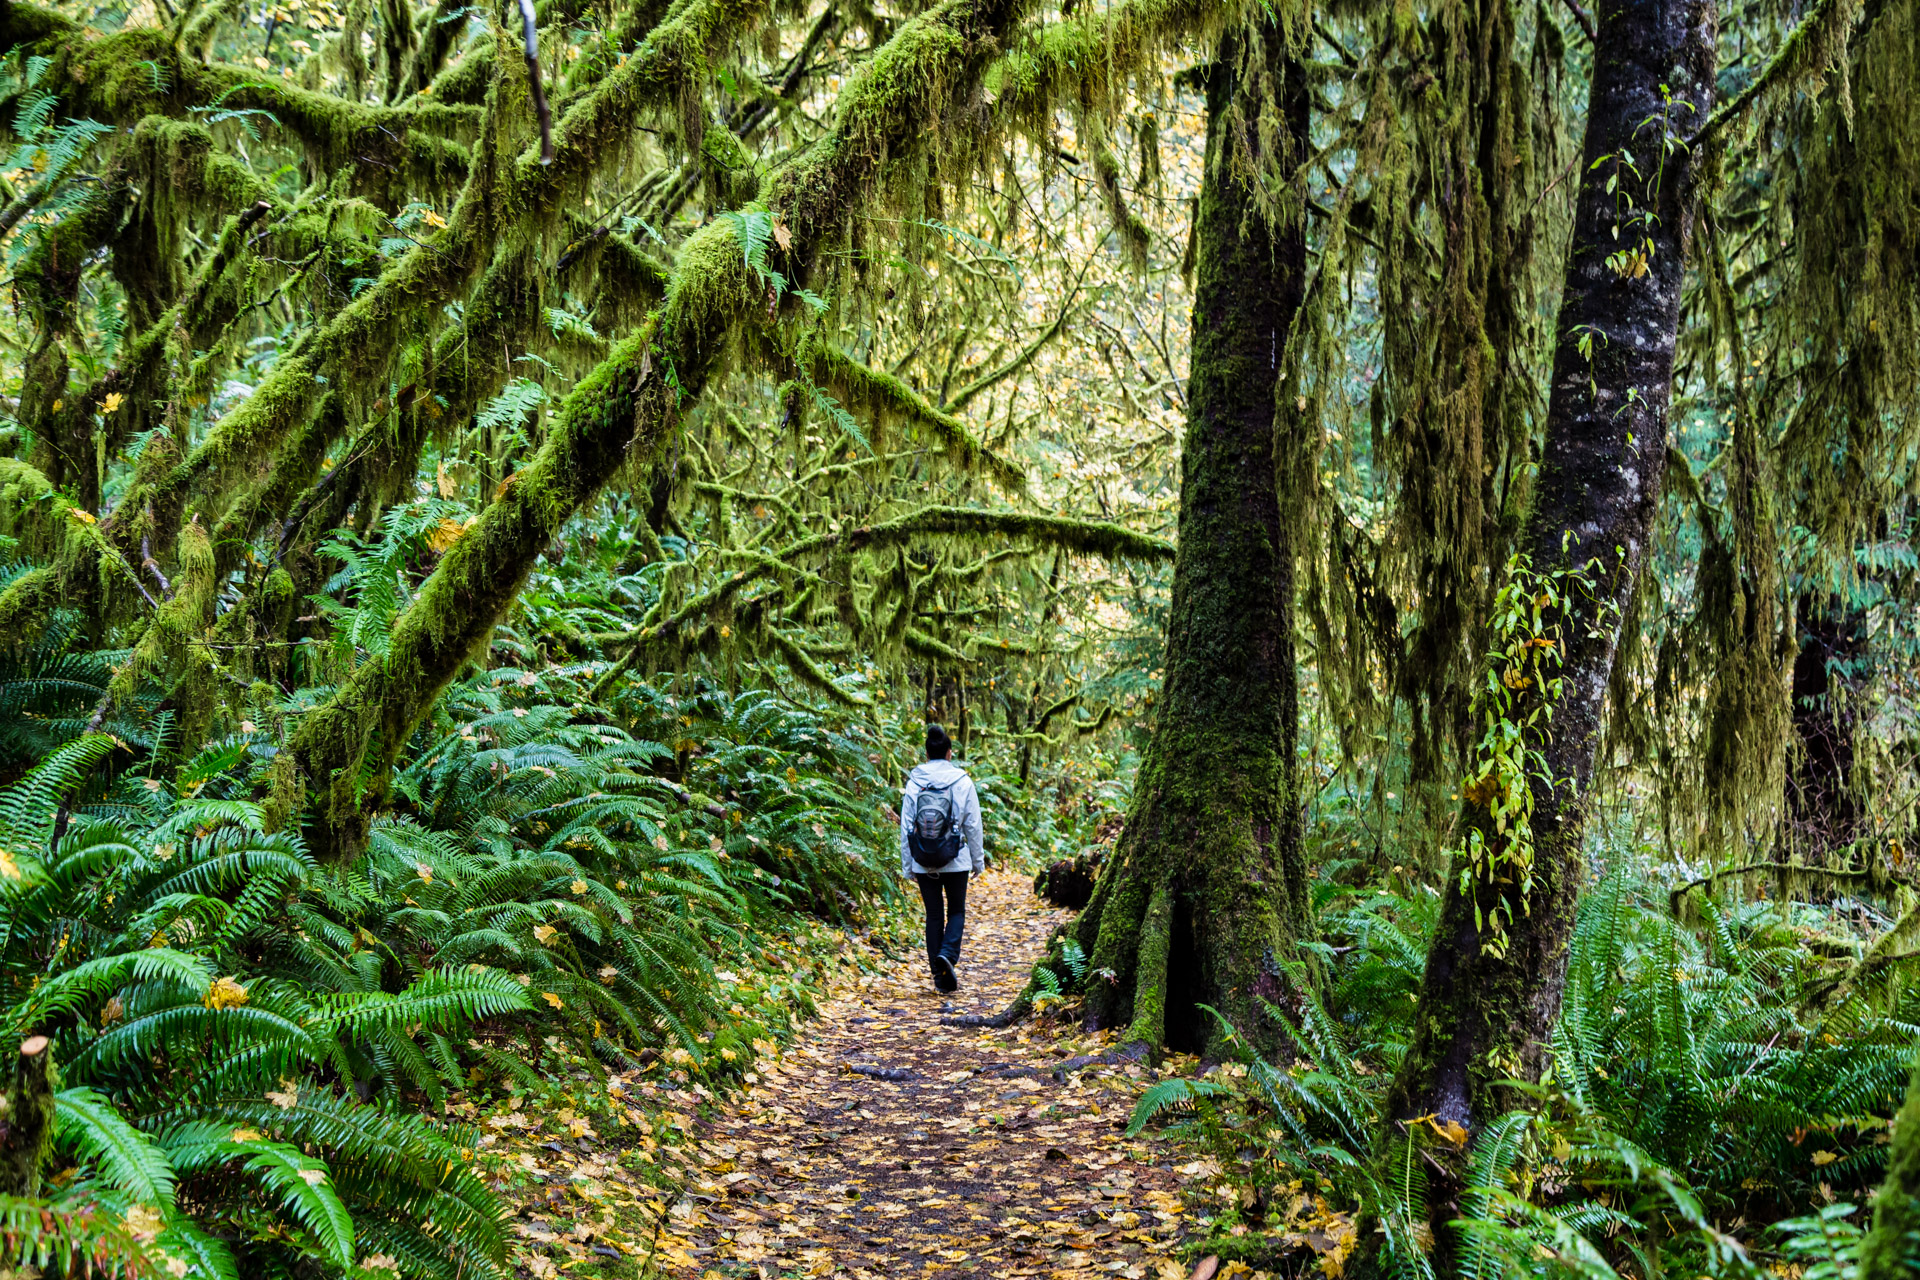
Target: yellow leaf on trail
{"points": [[113, 402], [546, 933], [246, 1135], [553, 999], [1823, 1158], [84, 517], [579, 887], [287, 1096]]}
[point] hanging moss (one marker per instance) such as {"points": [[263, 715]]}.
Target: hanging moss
{"points": [[1135, 236]]}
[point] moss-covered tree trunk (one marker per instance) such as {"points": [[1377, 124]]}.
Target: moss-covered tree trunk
{"points": [[1497, 967], [1205, 892], [1821, 806], [26, 1118], [1891, 1250]]}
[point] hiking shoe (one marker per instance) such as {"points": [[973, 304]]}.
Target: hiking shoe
{"points": [[945, 981]]}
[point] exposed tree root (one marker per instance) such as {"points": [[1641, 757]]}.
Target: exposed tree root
{"points": [[1022, 1005], [895, 1074]]}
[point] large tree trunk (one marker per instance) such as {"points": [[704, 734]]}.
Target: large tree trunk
{"points": [[1891, 1250], [1823, 813], [1206, 891], [1497, 967]]}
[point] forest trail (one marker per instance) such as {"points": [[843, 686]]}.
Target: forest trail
{"points": [[977, 1164]]}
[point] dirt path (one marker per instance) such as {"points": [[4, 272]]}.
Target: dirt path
{"points": [[953, 1171]]}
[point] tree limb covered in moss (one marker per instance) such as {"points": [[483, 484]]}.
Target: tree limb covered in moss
{"points": [[885, 397], [1089, 537], [1814, 49]]}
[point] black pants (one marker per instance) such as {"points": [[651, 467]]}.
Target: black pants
{"points": [[945, 919]]}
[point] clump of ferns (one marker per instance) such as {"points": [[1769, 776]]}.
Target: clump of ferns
{"points": [[799, 785], [547, 855], [1701, 1048], [1055, 985], [50, 687], [203, 1082]]}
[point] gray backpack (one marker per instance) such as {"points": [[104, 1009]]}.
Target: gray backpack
{"points": [[934, 836]]}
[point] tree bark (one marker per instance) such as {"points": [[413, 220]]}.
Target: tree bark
{"points": [[26, 1120], [1823, 813], [1891, 1250], [1497, 967], [1206, 891]]}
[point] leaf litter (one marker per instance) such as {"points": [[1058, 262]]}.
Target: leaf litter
{"points": [[884, 1143], [876, 1142]]}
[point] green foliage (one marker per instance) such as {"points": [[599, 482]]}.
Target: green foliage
{"points": [[1515, 704], [1693, 1088], [150, 945]]}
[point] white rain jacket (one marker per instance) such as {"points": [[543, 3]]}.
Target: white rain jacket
{"points": [[966, 814]]}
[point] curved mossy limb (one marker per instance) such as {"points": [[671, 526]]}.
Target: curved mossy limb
{"points": [[133, 73], [1205, 894], [885, 400]]}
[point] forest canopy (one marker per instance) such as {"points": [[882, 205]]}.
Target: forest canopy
{"points": [[1404, 510]]}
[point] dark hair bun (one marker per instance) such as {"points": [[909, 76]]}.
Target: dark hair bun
{"points": [[939, 745]]}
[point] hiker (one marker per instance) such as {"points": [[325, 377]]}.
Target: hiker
{"points": [[941, 844]]}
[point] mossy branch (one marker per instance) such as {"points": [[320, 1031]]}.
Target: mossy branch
{"points": [[886, 398], [1088, 537], [994, 377], [1811, 51], [1789, 877]]}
